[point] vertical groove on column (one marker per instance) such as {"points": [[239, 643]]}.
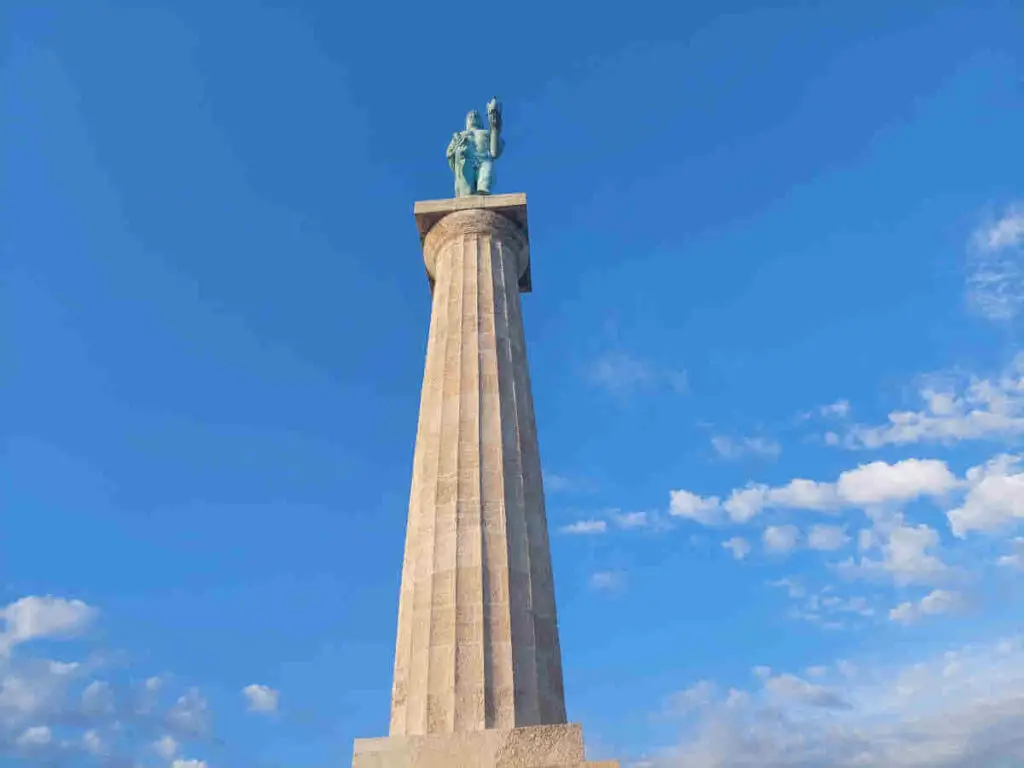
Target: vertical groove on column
{"points": [[522, 635], [441, 672], [499, 677], [550, 691], [424, 453], [423, 511], [468, 662]]}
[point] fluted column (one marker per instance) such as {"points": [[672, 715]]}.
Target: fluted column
{"points": [[477, 628]]}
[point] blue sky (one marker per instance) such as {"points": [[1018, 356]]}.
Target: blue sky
{"points": [[778, 267]]}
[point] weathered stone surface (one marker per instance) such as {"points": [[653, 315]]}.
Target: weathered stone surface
{"points": [[512, 207], [478, 665], [477, 629], [546, 746]]}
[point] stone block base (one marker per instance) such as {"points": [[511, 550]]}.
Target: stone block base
{"points": [[540, 746]]}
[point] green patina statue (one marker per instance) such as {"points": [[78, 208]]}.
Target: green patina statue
{"points": [[472, 152]]}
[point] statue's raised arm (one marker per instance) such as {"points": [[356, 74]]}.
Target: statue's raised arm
{"points": [[472, 152], [494, 125]]}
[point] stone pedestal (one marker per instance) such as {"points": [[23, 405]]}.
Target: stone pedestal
{"points": [[478, 666], [543, 746]]}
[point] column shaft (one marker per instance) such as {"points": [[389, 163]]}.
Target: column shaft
{"points": [[477, 631]]}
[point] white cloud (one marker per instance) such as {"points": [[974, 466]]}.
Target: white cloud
{"points": [[36, 736], [29, 691], [690, 505], [744, 504], [761, 672], [738, 447], [995, 283], [805, 494], [607, 581], [97, 698], [955, 408], [190, 715], [794, 690], [827, 538], [632, 519], [1016, 557], [92, 743], [936, 602], [261, 698], [1006, 232], [907, 556], [867, 539], [166, 747], [699, 695], [995, 497], [189, 764], [960, 709], [739, 547], [56, 713], [882, 483], [780, 538], [792, 586], [584, 527], [555, 483], [621, 373], [827, 609], [839, 409], [873, 484], [33, 617]]}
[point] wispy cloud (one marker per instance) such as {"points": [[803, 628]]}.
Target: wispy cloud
{"points": [[936, 602], [607, 581], [955, 408], [585, 527], [908, 554], [829, 610], [838, 409], [629, 520], [558, 483], [995, 282], [1015, 559], [621, 373], [739, 547], [55, 712], [959, 709], [738, 447]]}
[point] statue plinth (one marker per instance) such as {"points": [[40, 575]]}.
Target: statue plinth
{"points": [[512, 207], [478, 665]]}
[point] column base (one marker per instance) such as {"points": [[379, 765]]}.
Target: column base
{"points": [[540, 746]]}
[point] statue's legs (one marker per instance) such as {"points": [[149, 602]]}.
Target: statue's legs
{"points": [[463, 186], [485, 178], [465, 179]]}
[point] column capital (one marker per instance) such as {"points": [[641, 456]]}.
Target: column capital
{"points": [[512, 206]]}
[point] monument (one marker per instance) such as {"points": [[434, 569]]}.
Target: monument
{"points": [[478, 666]]}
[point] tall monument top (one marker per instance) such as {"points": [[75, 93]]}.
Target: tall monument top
{"points": [[472, 152]]}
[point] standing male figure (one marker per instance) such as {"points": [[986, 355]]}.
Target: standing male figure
{"points": [[472, 152]]}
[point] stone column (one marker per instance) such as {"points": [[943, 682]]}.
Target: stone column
{"points": [[477, 629], [478, 667]]}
